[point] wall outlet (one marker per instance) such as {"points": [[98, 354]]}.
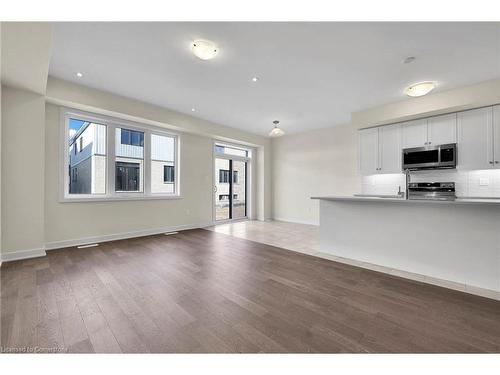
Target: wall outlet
{"points": [[484, 181]]}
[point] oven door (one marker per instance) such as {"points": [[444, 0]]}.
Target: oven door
{"points": [[421, 158]]}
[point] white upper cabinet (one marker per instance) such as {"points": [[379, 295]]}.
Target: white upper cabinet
{"points": [[432, 131], [475, 139], [380, 150], [368, 151], [415, 133], [390, 149], [442, 129], [496, 136]]}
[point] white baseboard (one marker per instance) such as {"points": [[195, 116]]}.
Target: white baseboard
{"points": [[483, 292], [121, 236], [34, 253], [22, 254], [288, 220]]}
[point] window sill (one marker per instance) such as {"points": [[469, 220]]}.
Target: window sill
{"points": [[118, 199]]}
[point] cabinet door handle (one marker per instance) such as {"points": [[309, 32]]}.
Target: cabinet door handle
{"points": [[496, 161], [491, 162]]}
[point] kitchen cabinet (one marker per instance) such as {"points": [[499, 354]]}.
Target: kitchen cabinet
{"points": [[380, 150], [475, 148], [496, 136], [431, 131], [442, 130], [368, 151], [414, 133]]}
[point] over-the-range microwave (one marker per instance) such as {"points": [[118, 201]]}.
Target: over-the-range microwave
{"points": [[430, 157]]}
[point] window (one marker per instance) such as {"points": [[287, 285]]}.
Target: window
{"points": [[224, 176], [223, 197], [143, 163], [129, 161], [168, 174], [132, 138], [235, 196], [235, 177], [128, 176]]}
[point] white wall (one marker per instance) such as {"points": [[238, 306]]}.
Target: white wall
{"points": [[320, 162], [23, 164], [80, 220]]}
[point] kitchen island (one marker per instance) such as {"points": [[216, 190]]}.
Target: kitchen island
{"points": [[449, 243]]}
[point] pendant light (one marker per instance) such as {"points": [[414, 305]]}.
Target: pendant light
{"points": [[276, 132]]}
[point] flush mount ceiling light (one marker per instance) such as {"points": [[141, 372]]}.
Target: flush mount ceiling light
{"points": [[255, 79], [79, 75], [193, 109], [420, 89], [276, 132], [204, 49], [409, 60]]}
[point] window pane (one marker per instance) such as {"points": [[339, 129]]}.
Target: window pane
{"points": [[222, 189], [129, 162], [239, 189], [137, 138], [125, 137], [228, 150], [162, 164], [87, 157]]}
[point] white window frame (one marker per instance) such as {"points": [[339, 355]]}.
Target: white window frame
{"points": [[112, 123]]}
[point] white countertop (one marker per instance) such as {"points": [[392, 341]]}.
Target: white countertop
{"points": [[480, 201]]}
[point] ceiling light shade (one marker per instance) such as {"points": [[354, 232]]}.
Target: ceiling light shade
{"points": [[420, 89], [276, 132], [204, 49]]}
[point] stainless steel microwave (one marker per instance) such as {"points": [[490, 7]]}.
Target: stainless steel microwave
{"points": [[430, 157]]}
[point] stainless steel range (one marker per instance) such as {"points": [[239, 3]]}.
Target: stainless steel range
{"points": [[431, 190]]}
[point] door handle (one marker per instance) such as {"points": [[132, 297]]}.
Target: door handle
{"points": [[215, 189]]}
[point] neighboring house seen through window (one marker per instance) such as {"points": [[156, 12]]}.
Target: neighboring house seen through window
{"points": [[168, 173], [143, 164], [223, 176]]}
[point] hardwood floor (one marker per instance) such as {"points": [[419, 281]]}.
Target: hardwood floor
{"points": [[201, 291]]}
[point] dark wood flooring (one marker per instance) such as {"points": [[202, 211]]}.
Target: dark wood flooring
{"points": [[201, 291]]}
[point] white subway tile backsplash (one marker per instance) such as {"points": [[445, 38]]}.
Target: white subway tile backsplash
{"points": [[480, 183]]}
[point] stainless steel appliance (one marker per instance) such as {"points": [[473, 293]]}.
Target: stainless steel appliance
{"points": [[430, 157], [431, 190]]}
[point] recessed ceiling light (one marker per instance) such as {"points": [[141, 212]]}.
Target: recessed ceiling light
{"points": [[409, 60], [276, 132], [255, 79], [420, 89], [79, 75], [193, 109], [204, 49]]}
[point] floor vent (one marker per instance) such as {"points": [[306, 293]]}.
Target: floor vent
{"points": [[170, 233], [89, 245]]}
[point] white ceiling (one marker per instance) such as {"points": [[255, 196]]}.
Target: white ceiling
{"points": [[312, 75]]}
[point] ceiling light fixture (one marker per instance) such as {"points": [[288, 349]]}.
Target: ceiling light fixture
{"points": [[420, 89], [193, 109], [409, 60], [204, 49], [276, 132], [255, 79], [79, 75]]}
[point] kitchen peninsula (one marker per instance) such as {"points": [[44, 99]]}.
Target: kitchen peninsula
{"points": [[450, 243]]}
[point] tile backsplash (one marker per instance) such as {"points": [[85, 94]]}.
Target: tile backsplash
{"points": [[479, 183]]}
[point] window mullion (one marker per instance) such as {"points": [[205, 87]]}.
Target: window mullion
{"points": [[111, 152], [147, 162]]}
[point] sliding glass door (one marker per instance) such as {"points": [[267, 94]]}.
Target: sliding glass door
{"points": [[231, 177]]}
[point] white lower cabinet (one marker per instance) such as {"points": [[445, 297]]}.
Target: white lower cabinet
{"points": [[380, 150]]}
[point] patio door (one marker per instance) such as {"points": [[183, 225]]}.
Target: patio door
{"points": [[230, 188]]}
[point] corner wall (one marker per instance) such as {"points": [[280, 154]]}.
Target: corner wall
{"points": [[23, 147]]}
